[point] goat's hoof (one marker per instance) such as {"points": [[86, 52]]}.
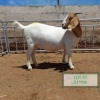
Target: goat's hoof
{"points": [[71, 67], [37, 66], [29, 69], [64, 62]]}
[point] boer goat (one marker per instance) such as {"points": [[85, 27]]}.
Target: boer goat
{"points": [[52, 38]]}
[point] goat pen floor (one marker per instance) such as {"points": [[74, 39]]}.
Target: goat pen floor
{"points": [[45, 82]]}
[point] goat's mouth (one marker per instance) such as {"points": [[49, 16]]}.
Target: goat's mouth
{"points": [[64, 26]]}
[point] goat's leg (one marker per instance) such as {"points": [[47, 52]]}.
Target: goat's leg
{"points": [[33, 57], [29, 52], [64, 57], [70, 60]]}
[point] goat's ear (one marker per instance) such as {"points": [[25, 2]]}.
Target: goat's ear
{"points": [[74, 22]]}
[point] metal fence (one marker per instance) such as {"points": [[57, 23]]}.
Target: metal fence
{"points": [[12, 39]]}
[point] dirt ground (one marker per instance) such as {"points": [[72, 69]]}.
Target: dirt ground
{"points": [[45, 82]]}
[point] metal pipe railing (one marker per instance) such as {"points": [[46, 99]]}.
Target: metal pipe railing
{"points": [[6, 37]]}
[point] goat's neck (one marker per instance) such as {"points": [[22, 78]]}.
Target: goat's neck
{"points": [[77, 31]]}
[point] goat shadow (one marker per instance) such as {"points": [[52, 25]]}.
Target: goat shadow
{"points": [[56, 66]]}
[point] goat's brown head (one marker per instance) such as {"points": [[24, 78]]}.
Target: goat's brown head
{"points": [[72, 22]]}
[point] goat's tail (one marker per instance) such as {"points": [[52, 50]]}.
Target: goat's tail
{"points": [[18, 25]]}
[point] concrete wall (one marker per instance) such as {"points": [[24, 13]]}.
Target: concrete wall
{"points": [[46, 12]]}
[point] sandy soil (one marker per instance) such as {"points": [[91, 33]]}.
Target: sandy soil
{"points": [[45, 82]]}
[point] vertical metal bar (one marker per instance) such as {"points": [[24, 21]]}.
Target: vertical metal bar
{"points": [[5, 37], [58, 3], [8, 39], [93, 38], [1, 38], [85, 37], [15, 39], [23, 39], [1, 43]]}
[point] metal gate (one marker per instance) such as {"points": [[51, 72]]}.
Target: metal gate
{"points": [[12, 40]]}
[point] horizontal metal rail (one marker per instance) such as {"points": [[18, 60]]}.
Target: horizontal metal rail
{"points": [[45, 51], [58, 26], [50, 20]]}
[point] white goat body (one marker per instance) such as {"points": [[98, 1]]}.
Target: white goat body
{"points": [[48, 37]]}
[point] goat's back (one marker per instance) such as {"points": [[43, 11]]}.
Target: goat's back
{"points": [[48, 37]]}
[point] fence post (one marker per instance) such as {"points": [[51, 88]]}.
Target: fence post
{"points": [[1, 43], [85, 37], [93, 38], [58, 2], [15, 39], [23, 39], [5, 37]]}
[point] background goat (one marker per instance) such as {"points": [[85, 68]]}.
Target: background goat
{"points": [[52, 38]]}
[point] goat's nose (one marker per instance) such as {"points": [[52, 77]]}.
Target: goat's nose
{"points": [[63, 26]]}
